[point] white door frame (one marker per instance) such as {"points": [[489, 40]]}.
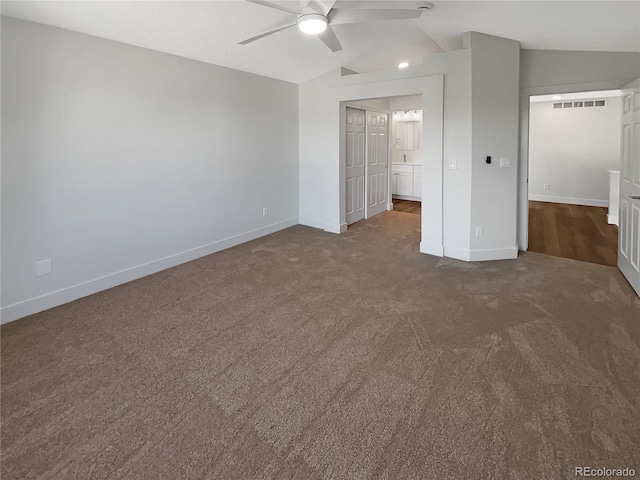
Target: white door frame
{"points": [[432, 90], [523, 168]]}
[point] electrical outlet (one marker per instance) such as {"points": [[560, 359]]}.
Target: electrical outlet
{"points": [[505, 163], [546, 186], [43, 267], [479, 231], [265, 211]]}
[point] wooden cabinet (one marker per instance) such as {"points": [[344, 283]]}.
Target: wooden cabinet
{"points": [[406, 181]]}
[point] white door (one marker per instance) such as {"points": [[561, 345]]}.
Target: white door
{"points": [[629, 229], [377, 167], [355, 153]]}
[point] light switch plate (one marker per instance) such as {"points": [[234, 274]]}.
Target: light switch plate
{"points": [[505, 163], [43, 267], [453, 165]]}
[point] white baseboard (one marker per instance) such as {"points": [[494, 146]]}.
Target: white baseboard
{"points": [[407, 197], [457, 253], [322, 225], [612, 219], [589, 202], [494, 254], [335, 227], [312, 222], [74, 292], [431, 249], [481, 255], [389, 206]]}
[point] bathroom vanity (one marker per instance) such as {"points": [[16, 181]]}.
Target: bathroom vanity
{"points": [[406, 181]]}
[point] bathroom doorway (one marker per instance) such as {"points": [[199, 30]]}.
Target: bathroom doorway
{"points": [[383, 162]]}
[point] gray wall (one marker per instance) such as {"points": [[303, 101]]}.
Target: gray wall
{"points": [[571, 150], [543, 68], [495, 71], [548, 71], [119, 161]]}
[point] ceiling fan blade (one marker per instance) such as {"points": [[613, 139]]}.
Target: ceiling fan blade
{"points": [[322, 6], [275, 30], [339, 16], [273, 5], [329, 38]]}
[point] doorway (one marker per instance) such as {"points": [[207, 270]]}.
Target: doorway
{"points": [[574, 149], [431, 88]]}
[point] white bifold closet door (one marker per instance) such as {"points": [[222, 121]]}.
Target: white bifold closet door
{"points": [[377, 163], [355, 165]]}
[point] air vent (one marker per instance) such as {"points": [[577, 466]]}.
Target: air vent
{"points": [[580, 104]]}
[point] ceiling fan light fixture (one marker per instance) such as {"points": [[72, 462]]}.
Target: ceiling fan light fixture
{"points": [[312, 23]]}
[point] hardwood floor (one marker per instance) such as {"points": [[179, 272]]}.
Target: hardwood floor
{"points": [[407, 206], [572, 231]]}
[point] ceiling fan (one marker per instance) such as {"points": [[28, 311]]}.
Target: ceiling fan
{"points": [[317, 18]]}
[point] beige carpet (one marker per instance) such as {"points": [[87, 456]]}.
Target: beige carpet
{"points": [[311, 355]]}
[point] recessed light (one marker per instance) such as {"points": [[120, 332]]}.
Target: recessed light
{"points": [[556, 97], [403, 65]]}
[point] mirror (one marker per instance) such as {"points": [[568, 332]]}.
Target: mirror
{"points": [[407, 126], [408, 136]]}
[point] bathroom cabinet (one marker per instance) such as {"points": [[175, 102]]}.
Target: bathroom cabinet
{"points": [[406, 181]]}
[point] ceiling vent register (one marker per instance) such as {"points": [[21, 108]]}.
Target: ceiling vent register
{"points": [[581, 104]]}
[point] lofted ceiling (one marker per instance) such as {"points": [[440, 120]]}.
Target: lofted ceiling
{"points": [[210, 30]]}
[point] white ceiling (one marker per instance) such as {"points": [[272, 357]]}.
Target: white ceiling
{"points": [[209, 30]]}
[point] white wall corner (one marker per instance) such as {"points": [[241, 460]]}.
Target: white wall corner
{"points": [[431, 249]]}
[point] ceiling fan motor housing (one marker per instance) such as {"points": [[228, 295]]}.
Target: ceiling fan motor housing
{"points": [[310, 21]]}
